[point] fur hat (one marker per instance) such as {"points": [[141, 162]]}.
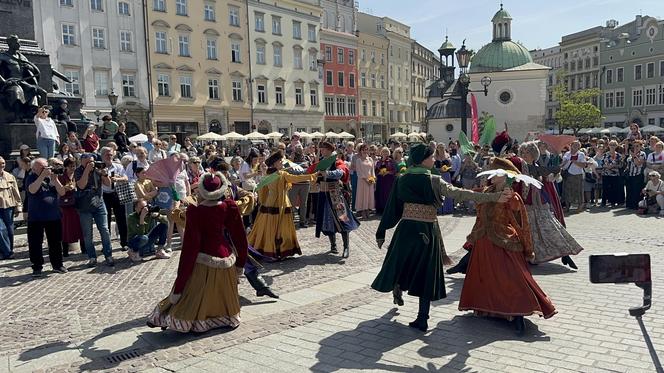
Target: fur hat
{"points": [[419, 153], [212, 186], [496, 163], [274, 158], [501, 143]]}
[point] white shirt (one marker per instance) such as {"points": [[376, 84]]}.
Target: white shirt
{"points": [[157, 154], [245, 169], [115, 169], [572, 168], [46, 129], [129, 171]]}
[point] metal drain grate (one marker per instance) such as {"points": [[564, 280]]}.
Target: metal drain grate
{"points": [[123, 356]]}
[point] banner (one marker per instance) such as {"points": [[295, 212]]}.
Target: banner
{"points": [[475, 134], [489, 131], [465, 147]]}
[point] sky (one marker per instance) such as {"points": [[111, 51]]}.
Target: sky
{"points": [[535, 23]]}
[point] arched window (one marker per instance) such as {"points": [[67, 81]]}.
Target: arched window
{"points": [[500, 30]]}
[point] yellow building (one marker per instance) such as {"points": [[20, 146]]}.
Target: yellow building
{"points": [[198, 65], [372, 69]]}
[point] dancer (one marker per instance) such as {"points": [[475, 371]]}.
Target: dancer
{"points": [[333, 214], [205, 294], [273, 232], [498, 281], [415, 257]]}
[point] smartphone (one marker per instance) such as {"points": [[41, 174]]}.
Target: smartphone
{"points": [[620, 268]]}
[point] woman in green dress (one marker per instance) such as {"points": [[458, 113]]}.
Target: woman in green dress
{"points": [[416, 254]]}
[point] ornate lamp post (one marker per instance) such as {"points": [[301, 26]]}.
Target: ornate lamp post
{"points": [[113, 99]]}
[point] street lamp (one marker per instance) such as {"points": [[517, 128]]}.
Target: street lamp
{"points": [[113, 99]]}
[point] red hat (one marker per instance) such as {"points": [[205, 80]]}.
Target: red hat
{"points": [[212, 186], [501, 143]]}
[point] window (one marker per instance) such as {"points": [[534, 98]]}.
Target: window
{"points": [[260, 89], [340, 55], [97, 5], [572, 65], [373, 80], [351, 80], [340, 78], [364, 108], [651, 96], [260, 54], [608, 100], [98, 38], [595, 61], [363, 79], [101, 83], [620, 99], [650, 70], [351, 107], [276, 25], [160, 42], [638, 72], [329, 105], [163, 85], [328, 78], [237, 90], [75, 86], [299, 98], [373, 56], [183, 42], [313, 96], [637, 97], [382, 81], [279, 94], [123, 8], [68, 35], [661, 68], [235, 51], [181, 7], [213, 89], [185, 86], [66, 3], [661, 97], [159, 5], [341, 106], [620, 75], [259, 21], [374, 108], [587, 63], [277, 54], [297, 58], [209, 14], [125, 41], [297, 30], [382, 58], [311, 32], [351, 57], [363, 55], [128, 85], [328, 54], [313, 60], [234, 16], [211, 47], [399, 72], [382, 109]]}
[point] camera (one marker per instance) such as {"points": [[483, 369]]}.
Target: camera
{"points": [[58, 171], [153, 209], [100, 165]]}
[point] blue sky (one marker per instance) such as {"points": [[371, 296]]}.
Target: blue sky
{"points": [[536, 23]]}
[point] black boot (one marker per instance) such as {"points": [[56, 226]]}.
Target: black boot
{"points": [[569, 262], [397, 295], [257, 282], [460, 267], [346, 240], [333, 243], [422, 316], [65, 250], [519, 325]]}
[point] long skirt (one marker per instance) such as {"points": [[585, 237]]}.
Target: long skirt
{"points": [[71, 225], [448, 203], [550, 239], [364, 199], [353, 186], [209, 300], [633, 187], [573, 192], [273, 233], [383, 188], [498, 282], [613, 190]]}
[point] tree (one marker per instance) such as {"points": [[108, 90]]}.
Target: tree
{"points": [[576, 109]]}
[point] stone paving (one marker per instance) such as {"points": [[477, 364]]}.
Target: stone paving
{"points": [[328, 319]]}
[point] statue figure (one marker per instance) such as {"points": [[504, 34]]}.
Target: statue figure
{"points": [[19, 82]]}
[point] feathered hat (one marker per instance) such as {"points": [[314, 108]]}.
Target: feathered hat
{"points": [[213, 186], [501, 143]]}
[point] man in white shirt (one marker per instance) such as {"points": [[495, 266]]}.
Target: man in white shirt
{"points": [[173, 145]]}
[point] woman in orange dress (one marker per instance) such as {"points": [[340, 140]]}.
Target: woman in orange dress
{"points": [[498, 281]]}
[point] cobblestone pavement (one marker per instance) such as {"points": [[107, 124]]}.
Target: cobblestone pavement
{"points": [[328, 319]]}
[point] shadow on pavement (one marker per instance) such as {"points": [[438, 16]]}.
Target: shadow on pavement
{"points": [[550, 268]]}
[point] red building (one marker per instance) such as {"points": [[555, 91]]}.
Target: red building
{"points": [[340, 80]]}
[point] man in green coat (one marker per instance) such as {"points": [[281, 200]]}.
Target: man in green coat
{"points": [[416, 255]]}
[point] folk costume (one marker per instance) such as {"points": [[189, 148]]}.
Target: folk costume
{"points": [[333, 213], [205, 294], [273, 233], [414, 260]]}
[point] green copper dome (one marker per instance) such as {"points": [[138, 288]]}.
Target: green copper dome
{"points": [[499, 56], [501, 15]]}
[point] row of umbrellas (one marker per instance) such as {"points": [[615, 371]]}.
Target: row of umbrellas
{"points": [[234, 136], [401, 135], [647, 129]]}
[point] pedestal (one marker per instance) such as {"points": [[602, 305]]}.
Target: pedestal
{"points": [[13, 135]]}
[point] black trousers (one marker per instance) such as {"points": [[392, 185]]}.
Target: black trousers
{"points": [[633, 187], [53, 231], [113, 204]]}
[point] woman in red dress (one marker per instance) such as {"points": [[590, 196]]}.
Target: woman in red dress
{"points": [[205, 293], [71, 224], [498, 281]]}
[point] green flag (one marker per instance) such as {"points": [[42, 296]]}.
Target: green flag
{"points": [[326, 163], [267, 180], [489, 132], [466, 146]]}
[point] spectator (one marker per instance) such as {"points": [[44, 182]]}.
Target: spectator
{"points": [[654, 192], [363, 164], [189, 148], [90, 139], [61, 114], [574, 163], [10, 200], [634, 132], [90, 204], [250, 170], [655, 160], [43, 189], [634, 178], [47, 133], [122, 139], [158, 152], [194, 171], [64, 152], [145, 229], [144, 188], [149, 145], [141, 161], [108, 127], [613, 191], [111, 200], [71, 222], [173, 145], [75, 147], [234, 172]]}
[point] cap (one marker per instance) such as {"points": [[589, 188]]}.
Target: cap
{"points": [[87, 155]]}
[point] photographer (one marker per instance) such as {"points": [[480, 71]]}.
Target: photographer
{"points": [[116, 173], [44, 216], [146, 227], [89, 177]]}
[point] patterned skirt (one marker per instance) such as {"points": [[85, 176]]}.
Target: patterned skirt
{"points": [[550, 239]]}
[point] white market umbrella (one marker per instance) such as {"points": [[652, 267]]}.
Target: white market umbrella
{"points": [[304, 135], [234, 136], [211, 136], [414, 135], [332, 135], [397, 135], [624, 130], [317, 135], [652, 129], [275, 135], [256, 136], [585, 131], [346, 135], [140, 138], [595, 130], [613, 129], [568, 131], [424, 134]]}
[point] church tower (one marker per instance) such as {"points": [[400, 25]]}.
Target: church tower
{"points": [[502, 25]]}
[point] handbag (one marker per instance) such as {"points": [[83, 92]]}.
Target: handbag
{"points": [[68, 200], [125, 191]]}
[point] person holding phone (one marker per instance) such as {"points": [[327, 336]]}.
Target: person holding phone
{"points": [[47, 133]]}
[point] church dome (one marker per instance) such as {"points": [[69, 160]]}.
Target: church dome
{"points": [[499, 56]]}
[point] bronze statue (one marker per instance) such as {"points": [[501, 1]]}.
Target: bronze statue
{"points": [[19, 82]]}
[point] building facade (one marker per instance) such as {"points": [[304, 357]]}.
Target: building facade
{"points": [[99, 46], [553, 58], [425, 68], [284, 43], [338, 45], [198, 66], [373, 88], [581, 60], [632, 64]]}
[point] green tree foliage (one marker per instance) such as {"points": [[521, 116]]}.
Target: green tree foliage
{"points": [[576, 109]]}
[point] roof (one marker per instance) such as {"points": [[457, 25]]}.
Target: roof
{"points": [[500, 15], [500, 55]]}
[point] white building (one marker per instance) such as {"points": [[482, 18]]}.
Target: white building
{"points": [[100, 46]]}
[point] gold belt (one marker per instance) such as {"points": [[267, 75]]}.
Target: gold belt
{"points": [[419, 212], [215, 262], [328, 186]]}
